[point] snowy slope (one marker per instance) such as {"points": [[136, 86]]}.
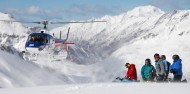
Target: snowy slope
{"points": [[132, 37], [108, 88], [15, 72], [102, 49], [12, 33], [169, 36], [108, 37]]}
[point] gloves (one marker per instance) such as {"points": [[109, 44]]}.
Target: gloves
{"points": [[173, 71]]}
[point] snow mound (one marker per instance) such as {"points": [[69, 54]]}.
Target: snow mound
{"points": [[15, 72]]}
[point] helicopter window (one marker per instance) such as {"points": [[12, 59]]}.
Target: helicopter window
{"points": [[37, 38], [41, 38], [32, 38], [46, 40]]}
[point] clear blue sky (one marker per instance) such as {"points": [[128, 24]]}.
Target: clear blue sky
{"points": [[67, 10]]}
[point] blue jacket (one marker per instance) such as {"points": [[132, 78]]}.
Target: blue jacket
{"points": [[177, 67], [146, 71], [165, 65]]}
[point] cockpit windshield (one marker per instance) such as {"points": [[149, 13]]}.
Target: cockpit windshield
{"points": [[37, 38]]}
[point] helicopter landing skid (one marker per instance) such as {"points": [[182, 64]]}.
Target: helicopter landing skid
{"points": [[30, 57], [59, 56]]}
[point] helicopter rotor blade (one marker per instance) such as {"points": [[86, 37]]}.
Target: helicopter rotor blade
{"points": [[67, 34], [9, 21], [47, 22], [76, 22]]}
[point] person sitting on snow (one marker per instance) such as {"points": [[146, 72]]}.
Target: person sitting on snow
{"points": [[131, 73], [148, 71], [166, 66], [159, 65], [176, 68]]}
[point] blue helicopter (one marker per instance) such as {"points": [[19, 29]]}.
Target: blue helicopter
{"points": [[42, 41], [37, 42]]}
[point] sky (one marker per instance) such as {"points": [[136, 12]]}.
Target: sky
{"points": [[67, 10]]}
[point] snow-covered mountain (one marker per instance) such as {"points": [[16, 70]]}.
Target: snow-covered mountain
{"points": [[102, 49], [12, 33], [11, 28], [118, 30], [133, 37]]}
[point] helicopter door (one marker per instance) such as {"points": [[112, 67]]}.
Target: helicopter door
{"points": [[51, 42]]}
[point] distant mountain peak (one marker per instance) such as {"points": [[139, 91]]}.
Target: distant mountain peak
{"points": [[145, 11], [5, 16], [11, 28]]}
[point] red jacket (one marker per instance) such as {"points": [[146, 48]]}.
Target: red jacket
{"points": [[132, 73]]}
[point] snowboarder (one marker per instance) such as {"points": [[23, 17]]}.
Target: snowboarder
{"points": [[148, 71], [131, 75], [166, 66], [176, 68], [159, 65]]}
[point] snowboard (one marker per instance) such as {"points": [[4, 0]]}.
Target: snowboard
{"points": [[118, 79]]}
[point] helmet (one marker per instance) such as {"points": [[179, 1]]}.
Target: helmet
{"points": [[127, 65], [175, 57]]}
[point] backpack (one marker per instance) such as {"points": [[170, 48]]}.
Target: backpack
{"points": [[168, 63]]}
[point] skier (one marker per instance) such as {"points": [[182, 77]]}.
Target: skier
{"points": [[148, 71], [159, 65], [166, 66], [176, 68]]}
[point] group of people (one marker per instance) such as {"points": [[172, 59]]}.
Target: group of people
{"points": [[159, 72]]}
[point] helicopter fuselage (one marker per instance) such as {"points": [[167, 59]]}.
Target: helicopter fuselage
{"points": [[36, 42]]}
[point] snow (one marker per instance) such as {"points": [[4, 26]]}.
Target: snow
{"points": [[132, 37], [106, 88], [11, 28], [146, 11], [16, 72], [99, 54]]}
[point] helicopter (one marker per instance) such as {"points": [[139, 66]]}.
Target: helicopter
{"points": [[42, 41]]}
